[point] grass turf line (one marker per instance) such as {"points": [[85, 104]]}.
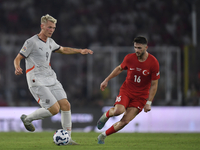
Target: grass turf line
{"points": [[88, 141]]}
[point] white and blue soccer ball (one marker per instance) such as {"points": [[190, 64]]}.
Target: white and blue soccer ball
{"points": [[61, 137]]}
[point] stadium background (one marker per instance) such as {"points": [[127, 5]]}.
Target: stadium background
{"points": [[100, 25]]}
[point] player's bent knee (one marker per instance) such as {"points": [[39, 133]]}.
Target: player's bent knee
{"points": [[54, 111], [65, 105], [118, 112]]}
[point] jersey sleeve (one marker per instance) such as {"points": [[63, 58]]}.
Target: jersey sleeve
{"points": [[155, 71], [124, 63], [54, 45], [27, 48]]}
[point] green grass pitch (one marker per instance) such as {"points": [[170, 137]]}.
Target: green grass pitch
{"points": [[88, 141]]}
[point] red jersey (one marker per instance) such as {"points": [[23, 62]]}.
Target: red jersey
{"points": [[139, 74]]}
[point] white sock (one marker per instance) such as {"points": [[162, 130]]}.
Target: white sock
{"points": [[66, 121], [40, 113], [104, 133]]}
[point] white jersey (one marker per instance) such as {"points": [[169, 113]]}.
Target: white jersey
{"points": [[37, 55]]}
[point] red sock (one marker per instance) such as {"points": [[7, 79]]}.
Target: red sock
{"points": [[111, 130], [107, 114]]}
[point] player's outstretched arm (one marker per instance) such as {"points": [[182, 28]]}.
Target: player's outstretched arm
{"points": [[113, 74], [69, 50], [17, 60]]}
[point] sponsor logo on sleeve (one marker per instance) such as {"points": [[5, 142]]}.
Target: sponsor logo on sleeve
{"points": [[157, 74], [24, 49], [118, 99]]}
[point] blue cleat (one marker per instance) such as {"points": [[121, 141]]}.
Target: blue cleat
{"points": [[101, 122], [101, 138]]}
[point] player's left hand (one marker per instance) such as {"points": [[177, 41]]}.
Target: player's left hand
{"points": [[18, 71], [147, 108], [86, 51]]}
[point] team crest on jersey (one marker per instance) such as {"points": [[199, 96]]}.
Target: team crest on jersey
{"points": [[47, 101], [24, 49], [145, 72]]}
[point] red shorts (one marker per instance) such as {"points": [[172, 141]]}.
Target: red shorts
{"points": [[128, 100]]}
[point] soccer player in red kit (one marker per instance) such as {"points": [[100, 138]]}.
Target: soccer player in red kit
{"points": [[137, 91]]}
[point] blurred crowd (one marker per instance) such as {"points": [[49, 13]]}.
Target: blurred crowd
{"points": [[102, 22], [83, 24]]}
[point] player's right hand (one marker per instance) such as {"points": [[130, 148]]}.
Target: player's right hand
{"points": [[103, 85], [147, 108], [18, 71]]}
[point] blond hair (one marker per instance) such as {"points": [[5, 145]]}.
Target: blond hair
{"points": [[46, 18]]}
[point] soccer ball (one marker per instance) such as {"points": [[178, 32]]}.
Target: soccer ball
{"points": [[61, 137]]}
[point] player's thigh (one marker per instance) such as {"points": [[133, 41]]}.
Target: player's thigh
{"points": [[43, 96], [130, 114], [119, 109], [58, 91], [122, 99], [61, 96], [138, 103]]}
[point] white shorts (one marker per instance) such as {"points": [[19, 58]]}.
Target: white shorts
{"points": [[46, 96]]}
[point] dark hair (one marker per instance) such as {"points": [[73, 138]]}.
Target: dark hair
{"points": [[140, 39]]}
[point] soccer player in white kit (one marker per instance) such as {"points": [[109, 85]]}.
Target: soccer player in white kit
{"points": [[41, 79]]}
